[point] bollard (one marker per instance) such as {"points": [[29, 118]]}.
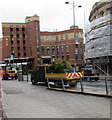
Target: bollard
{"points": [[63, 83], [106, 86], [82, 89], [48, 83], [27, 77]]}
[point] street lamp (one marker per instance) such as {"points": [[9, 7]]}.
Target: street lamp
{"points": [[73, 5]]}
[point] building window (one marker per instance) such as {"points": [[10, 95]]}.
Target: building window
{"points": [[94, 17], [81, 56], [23, 28], [37, 49], [76, 49], [53, 58], [102, 13], [66, 36], [53, 50], [43, 50], [58, 51], [67, 49], [67, 56], [57, 38], [36, 25], [62, 49], [18, 54], [47, 38], [81, 47], [48, 50], [17, 28], [61, 37], [11, 29], [12, 50], [62, 56], [30, 51], [24, 54], [76, 56], [76, 38], [52, 38], [42, 37]]}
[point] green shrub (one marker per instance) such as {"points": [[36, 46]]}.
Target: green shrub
{"points": [[30, 71], [58, 66]]}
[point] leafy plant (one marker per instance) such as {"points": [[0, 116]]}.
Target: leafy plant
{"points": [[58, 65]]}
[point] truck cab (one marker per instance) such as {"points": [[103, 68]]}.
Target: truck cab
{"points": [[38, 74]]}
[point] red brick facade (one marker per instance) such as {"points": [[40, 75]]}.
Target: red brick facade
{"points": [[26, 41], [0, 49]]}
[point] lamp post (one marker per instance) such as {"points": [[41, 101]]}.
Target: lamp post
{"points": [[73, 5]]}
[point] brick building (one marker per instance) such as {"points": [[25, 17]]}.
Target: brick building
{"points": [[55, 45], [29, 45], [0, 49]]}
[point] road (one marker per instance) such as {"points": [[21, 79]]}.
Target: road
{"points": [[21, 99]]}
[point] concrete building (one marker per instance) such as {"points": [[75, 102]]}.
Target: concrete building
{"points": [[27, 44], [98, 48]]}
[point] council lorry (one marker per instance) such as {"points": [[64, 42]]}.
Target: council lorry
{"points": [[69, 76]]}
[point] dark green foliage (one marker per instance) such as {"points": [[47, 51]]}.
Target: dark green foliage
{"points": [[59, 65], [30, 71]]}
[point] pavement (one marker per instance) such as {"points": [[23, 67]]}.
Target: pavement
{"points": [[21, 99], [2, 113]]}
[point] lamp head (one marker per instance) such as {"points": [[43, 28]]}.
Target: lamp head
{"points": [[66, 2], [80, 6]]}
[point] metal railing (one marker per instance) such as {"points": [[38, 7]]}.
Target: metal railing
{"points": [[81, 80]]}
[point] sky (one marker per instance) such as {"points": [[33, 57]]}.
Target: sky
{"points": [[54, 14]]}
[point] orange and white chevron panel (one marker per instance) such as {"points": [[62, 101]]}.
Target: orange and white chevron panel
{"points": [[74, 75]]}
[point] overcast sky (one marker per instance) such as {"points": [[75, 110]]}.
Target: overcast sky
{"points": [[54, 14]]}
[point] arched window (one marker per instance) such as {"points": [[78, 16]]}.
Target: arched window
{"points": [[11, 28], [102, 13], [17, 28], [23, 28]]}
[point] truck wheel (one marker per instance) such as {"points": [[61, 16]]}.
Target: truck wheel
{"points": [[74, 84], [56, 84], [33, 82], [96, 79], [15, 76], [6, 77]]}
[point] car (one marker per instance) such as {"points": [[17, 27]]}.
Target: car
{"points": [[90, 74]]}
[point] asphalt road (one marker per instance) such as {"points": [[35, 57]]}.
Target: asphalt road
{"points": [[21, 99]]}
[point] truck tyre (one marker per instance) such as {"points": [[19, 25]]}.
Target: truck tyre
{"points": [[16, 77], [6, 77], [33, 82], [96, 79], [75, 84]]}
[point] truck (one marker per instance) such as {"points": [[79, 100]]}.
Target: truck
{"points": [[42, 73], [90, 74], [9, 72]]}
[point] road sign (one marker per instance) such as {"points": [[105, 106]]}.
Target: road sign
{"points": [[12, 57]]}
